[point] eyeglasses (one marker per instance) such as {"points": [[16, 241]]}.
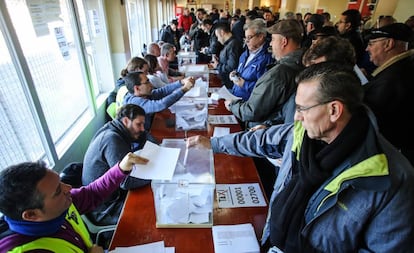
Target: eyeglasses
{"points": [[248, 38], [372, 42], [342, 22], [300, 109]]}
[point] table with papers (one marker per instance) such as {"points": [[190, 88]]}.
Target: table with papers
{"points": [[137, 224]]}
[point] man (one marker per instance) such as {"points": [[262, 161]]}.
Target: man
{"points": [[168, 56], [110, 144], [43, 214], [341, 187], [172, 35], [390, 91], [268, 17], [214, 47], [348, 28], [313, 26], [142, 93], [184, 21], [229, 55], [154, 49], [253, 61], [277, 84]]}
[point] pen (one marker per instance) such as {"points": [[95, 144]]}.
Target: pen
{"points": [[186, 149]]}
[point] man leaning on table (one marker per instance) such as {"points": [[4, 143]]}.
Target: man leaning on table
{"points": [[42, 214], [342, 187]]}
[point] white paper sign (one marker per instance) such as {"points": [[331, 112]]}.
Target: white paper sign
{"points": [[222, 119], [239, 238], [239, 195]]}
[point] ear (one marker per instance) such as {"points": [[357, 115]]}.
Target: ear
{"points": [[389, 45], [31, 215], [335, 110], [137, 90]]}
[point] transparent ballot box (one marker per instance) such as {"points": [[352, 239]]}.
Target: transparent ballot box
{"points": [[191, 111], [196, 70], [186, 201], [186, 58]]}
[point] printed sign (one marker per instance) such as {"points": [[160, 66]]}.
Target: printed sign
{"points": [[239, 195]]}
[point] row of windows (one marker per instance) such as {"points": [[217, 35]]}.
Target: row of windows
{"points": [[55, 65]]}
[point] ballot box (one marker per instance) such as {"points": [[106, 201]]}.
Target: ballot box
{"points": [[186, 58], [186, 201], [191, 111]]}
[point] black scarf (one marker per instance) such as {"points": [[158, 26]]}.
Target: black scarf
{"points": [[316, 163]]}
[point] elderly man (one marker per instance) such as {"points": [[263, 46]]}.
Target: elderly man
{"points": [[342, 187], [253, 61], [276, 85], [390, 91]]}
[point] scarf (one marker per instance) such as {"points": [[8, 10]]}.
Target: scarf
{"points": [[315, 166], [37, 229]]}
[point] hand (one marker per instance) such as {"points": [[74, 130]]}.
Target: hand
{"points": [[198, 141], [129, 160], [227, 104], [96, 249], [239, 82], [187, 83], [257, 127]]}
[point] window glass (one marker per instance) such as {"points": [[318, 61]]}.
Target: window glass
{"points": [[19, 138], [50, 47]]}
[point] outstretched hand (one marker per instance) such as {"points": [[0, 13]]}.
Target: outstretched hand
{"points": [[198, 141], [129, 160]]}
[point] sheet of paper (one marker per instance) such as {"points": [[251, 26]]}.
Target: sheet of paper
{"points": [[222, 119], [154, 247], [161, 165], [239, 238], [220, 131], [193, 92], [224, 93], [239, 195]]}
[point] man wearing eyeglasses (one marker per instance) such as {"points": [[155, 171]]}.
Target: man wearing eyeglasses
{"points": [[390, 92], [277, 84], [341, 186]]}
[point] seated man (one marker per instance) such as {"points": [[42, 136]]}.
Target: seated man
{"points": [[113, 141], [142, 93], [168, 56], [42, 214]]}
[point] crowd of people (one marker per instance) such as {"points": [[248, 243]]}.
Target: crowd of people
{"points": [[324, 104]]}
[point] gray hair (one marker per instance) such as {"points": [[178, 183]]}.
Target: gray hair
{"points": [[258, 25]]}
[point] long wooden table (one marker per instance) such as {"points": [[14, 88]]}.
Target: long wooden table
{"points": [[137, 221]]}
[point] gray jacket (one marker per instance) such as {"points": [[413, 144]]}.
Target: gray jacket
{"points": [[271, 91]]}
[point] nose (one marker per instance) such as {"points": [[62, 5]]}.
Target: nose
{"points": [[298, 116]]}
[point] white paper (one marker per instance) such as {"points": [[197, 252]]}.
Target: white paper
{"points": [[161, 165], [220, 131], [154, 247], [224, 93], [235, 239], [222, 119], [193, 92], [239, 195]]}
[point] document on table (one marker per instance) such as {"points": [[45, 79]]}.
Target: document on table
{"points": [[235, 239], [220, 131], [161, 165], [222, 119], [154, 247], [239, 195]]}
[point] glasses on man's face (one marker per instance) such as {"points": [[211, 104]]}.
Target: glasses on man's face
{"points": [[249, 37], [372, 42], [301, 109]]}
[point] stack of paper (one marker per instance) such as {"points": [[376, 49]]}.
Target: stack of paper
{"points": [[235, 239], [154, 247]]}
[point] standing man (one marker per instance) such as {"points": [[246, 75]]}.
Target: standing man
{"points": [[348, 27], [342, 187], [214, 47], [229, 55], [277, 84], [184, 21], [390, 91], [113, 141], [42, 214]]}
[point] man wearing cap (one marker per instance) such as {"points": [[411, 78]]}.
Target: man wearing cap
{"points": [[313, 26], [277, 84], [390, 91]]}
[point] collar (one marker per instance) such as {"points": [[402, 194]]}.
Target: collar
{"points": [[393, 60]]}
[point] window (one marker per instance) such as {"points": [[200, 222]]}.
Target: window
{"points": [[52, 75], [138, 25]]}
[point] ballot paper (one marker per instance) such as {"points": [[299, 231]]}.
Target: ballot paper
{"points": [[220, 131], [154, 247], [223, 93], [161, 165], [222, 119], [239, 238]]}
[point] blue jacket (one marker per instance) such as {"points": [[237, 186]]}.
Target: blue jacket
{"points": [[160, 99], [252, 71], [366, 206]]}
